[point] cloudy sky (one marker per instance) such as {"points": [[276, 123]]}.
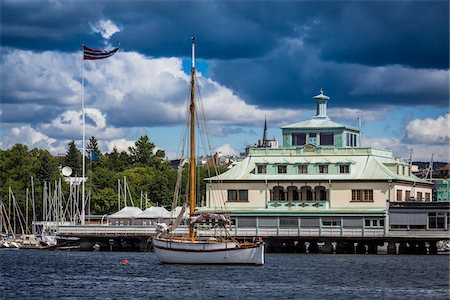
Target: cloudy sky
{"points": [[386, 61]]}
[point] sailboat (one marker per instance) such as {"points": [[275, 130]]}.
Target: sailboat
{"points": [[194, 248]]}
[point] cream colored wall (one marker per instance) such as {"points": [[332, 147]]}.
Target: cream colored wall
{"points": [[413, 190], [341, 194], [218, 196]]}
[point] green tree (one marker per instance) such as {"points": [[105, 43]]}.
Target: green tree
{"points": [[117, 161], [142, 154], [93, 146], [104, 201], [73, 158]]}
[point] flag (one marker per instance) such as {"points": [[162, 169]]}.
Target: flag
{"points": [[91, 54]]}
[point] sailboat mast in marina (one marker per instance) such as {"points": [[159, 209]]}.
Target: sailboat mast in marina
{"points": [[208, 248], [192, 145]]}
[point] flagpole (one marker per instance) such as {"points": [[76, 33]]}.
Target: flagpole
{"points": [[83, 208]]}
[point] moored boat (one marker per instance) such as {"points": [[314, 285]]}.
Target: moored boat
{"points": [[195, 248]]}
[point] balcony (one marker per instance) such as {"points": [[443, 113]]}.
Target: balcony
{"points": [[311, 204]]}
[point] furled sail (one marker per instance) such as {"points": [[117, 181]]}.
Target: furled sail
{"points": [[179, 218]]}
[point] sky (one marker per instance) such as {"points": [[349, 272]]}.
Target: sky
{"points": [[386, 61]]}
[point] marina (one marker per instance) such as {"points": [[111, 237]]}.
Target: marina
{"points": [[221, 149]]}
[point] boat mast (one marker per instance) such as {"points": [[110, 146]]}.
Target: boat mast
{"points": [[192, 145]]}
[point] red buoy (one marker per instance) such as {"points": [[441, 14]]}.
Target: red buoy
{"points": [[124, 261]]}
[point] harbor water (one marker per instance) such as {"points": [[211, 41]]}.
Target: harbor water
{"points": [[53, 274]]}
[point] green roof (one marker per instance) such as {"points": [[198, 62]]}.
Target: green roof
{"points": [[319, 123], [363, 167]]}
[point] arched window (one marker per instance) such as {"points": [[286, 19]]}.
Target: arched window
{"points": [[293, 194], [278, 193]]}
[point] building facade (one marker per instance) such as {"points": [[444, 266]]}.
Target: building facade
{"points": [[320, 178]]}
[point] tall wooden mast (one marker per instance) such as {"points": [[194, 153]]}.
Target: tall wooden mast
{"points": [[192, 145]]}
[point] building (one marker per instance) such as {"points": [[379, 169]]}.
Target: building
{"points": [[442, 187], [320, 180]]}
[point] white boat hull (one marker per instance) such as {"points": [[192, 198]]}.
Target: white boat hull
{"points": [[202, 252]]}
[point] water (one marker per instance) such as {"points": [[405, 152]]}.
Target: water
{"points": [[54, 274]]}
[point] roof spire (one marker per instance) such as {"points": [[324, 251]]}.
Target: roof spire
{"points": [[321, 100], [264, 141]]}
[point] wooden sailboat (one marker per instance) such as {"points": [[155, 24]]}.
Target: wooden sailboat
{"points": [[193, 249]]}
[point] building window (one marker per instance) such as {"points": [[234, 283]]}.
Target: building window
{"points": [[243, 195], [246, 222], [356, 195], [407, 195], [323, 169], [399, 195], [262, 169], [298, 139], [344, 169], [362, 195], [237, 195], [374, 223], [288, 222], [419, 196], [351, 140], [282, 169], [436, 220], [232, 195], [327, 139], [427, 197], [331, 222], [303, 169]]}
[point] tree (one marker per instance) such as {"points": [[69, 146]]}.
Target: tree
{"points": [[94, 152], [93, 145], [47, 167], [117, 161], [73, 158], [143, 153]]}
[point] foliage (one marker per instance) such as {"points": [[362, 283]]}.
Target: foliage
{"points": [[73, 159], [144, 167], [143, 153]]}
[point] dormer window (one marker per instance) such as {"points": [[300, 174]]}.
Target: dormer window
{"points": [[344, 169], [282, 169], [262, 169], [323, 169], [303, 169]]}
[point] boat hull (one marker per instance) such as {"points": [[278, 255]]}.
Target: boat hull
{"points": [[183, 252]]}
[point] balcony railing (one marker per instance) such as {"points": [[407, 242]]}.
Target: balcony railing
{"points": [[309, 204]]}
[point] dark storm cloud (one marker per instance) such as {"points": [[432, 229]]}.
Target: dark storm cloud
{"points": [[273, 54], [374, 33], [28, 113]]}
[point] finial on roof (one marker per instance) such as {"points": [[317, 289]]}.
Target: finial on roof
{"points": [[321, 100]]}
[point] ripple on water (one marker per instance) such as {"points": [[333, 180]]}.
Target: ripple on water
{"points": [[53, 274]]}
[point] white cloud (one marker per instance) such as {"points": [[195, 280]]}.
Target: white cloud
{"points": [[49, 77], [32, 138], [429, 131], [120, 144], [226, 149], [69, 125], [401, 149], [105, 27], [352, 114], [130, 88]]}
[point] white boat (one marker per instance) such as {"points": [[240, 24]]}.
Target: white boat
{"points": [[196, 249]]}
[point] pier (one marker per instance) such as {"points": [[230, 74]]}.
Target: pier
{"points": [[325, 240]]}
